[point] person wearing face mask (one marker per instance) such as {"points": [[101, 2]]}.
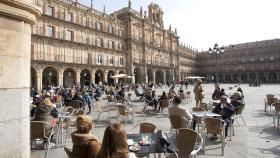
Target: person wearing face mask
{"points": [[226, 110]]}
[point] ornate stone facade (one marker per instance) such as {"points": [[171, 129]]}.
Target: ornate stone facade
{"points": [[72, 44], [241, 63]]}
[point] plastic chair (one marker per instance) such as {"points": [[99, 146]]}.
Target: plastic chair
{"points": [[164, 103], [178, 122], [276, 113], [39, 131], [186, 142], [146, 127], [269, 101], [69, 153], [216, 127], [125, 112]]}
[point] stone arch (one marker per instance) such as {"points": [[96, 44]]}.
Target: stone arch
{"points": [[49, 77], [252, 77], [110, 80], [69, 77], [150, 76], [272, 77], [121, 80], [33, 78], [85, 77], [99, 76], [137, 73], [244, 77], [235, 77], [159, 77], [227, 78], [262, 77], [168, 76]]}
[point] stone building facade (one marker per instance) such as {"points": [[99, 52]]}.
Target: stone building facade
{"points": [[241, 63], [73, 43]]}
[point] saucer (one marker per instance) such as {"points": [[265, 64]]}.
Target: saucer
{"points": [[134, 148]]}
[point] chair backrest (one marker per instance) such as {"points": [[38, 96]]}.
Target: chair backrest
{"points": [[197, 109], [240, 109], [186, 141], [269, 96], [188, 93], [147, 128], [204, 106], [38, 129], [109, 98], [76, 104], [69, 153], [170, 96], [164, 103], [178, 122], [213, 125], [182, 95], [277, 106], [121, 109], [271, 100]]}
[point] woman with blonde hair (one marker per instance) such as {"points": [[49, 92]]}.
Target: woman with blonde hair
{"points": [[114, 144], [85, 145]]}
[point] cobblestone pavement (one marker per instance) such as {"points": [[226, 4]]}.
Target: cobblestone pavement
{"points": [[258, 139]]}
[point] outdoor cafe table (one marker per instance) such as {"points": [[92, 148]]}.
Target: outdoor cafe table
{"points": [[153, 147], [198, 116]]}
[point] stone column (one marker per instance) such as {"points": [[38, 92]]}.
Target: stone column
{"points": [[60, 78], [39, 82], [78, 77], [92, 76], [16, 18], [164, 77], [154, 77]]}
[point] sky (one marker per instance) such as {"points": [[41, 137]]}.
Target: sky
{"points": [[202, 23]]}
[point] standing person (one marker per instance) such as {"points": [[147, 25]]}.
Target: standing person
{"points": [[114, 144], [88, 100], [198, 92]]}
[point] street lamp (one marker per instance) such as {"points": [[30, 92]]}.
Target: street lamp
{"points": [[216, 50]]}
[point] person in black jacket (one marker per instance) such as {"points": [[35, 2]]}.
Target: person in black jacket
{"points": [[226, 110]]}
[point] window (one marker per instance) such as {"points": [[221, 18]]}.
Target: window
{"points": [[111, 60], [99, 26], [50, 31], [99, 59], [69, 17], [99, 42], [121, 61], [69, 35], [111, 44], [120, 46], [50, 10], [111, 29]]}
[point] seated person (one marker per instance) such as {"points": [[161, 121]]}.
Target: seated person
{"points": [[44, 112], [215, 95], [114, 144], [85, 145], [139, 92], [178, 110], [98, 93], [162, 97], [241, 91], [78, 96], [226, 110], [181, 90], [121, 93], [155, 100], [236, 100], [172, 91]]}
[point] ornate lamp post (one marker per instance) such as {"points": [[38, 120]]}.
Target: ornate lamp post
{"points": [[216, 50]]}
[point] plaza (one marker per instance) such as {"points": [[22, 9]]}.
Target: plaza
{"points": [[53, 52], [258, 139]]}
